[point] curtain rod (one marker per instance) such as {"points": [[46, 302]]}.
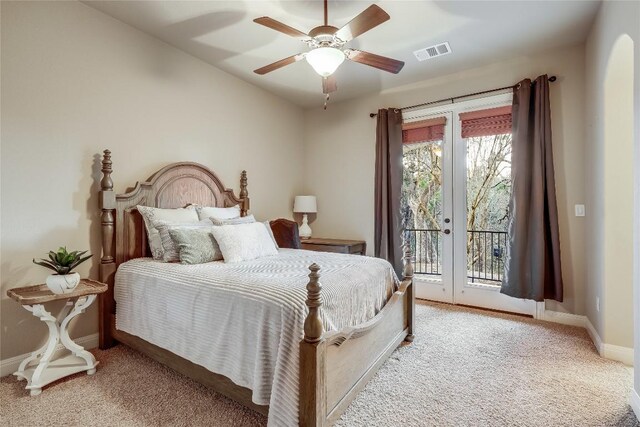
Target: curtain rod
{"points": [[551, 79]]}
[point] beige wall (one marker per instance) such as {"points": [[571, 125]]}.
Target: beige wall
{"points": [[75, 81], [612, 88], [340, 152]]}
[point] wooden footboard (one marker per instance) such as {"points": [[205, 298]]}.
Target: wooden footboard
{"points": [[335, 366]]}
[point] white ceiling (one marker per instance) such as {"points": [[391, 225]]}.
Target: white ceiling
{"points": [[480, 32]]}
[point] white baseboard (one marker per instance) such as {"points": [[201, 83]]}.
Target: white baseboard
{"points": [[595, 337], [9, 366], [563, 318], [634, 401], [619, 353], [608, 351]]}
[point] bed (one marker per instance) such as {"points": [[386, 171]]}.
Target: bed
{"points": [[334, 357]]}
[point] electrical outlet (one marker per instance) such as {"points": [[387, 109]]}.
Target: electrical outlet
{"points": [[579, 210], [598, 304]]}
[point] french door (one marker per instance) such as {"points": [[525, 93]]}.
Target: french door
{"points": [[455, 195]]}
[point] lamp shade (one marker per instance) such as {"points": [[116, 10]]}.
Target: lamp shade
{"points": [[325, 60], [305, 204]]}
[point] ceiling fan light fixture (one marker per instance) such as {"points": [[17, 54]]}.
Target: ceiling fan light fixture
{"points": [[325, 60]]}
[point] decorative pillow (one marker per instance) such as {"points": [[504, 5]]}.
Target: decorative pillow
{"points": [[196, 245], [149, 214], [218, 213], [244, 242], [233, 221], [170, 251], [243, 220]]}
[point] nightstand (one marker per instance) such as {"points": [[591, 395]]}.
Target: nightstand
{"points": [[355, 247], [47, 365]]}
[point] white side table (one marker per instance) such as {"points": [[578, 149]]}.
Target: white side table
{"points": [[50, 363]]}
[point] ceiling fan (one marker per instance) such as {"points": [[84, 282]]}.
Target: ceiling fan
{"points": [[327, 46]]}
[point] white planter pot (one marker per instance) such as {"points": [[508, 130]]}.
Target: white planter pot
{"points": [[62, 284]]}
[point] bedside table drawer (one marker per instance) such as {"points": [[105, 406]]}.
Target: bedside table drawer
{"points": [[354, 247], [325, 248]]}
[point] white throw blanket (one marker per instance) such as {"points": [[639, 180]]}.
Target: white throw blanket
{"points": [[245, 321]]}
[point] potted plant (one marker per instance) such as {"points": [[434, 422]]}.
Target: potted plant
{"points": [[63, 263]]}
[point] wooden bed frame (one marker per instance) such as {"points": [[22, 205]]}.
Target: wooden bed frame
{"points": [[334, 366]]}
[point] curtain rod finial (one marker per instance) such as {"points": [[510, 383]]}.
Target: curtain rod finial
{"points": [[372, 115]]}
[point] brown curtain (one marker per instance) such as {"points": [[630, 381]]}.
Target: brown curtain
{"points": [[388, 184], [532, 269]]}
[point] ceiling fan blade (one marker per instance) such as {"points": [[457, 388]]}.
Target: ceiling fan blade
{"points": [[283, 28], [369, 18], [329, 84], [279, 64], [381, 62]]}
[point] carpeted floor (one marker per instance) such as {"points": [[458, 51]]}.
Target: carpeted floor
{"points": [[465, 368]]}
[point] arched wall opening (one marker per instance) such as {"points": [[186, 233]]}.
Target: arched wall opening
{"points": [[618, 155]]}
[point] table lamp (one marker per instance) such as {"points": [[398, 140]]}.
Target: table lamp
{"points": [[305, 205]]}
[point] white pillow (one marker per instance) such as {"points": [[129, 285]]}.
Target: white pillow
{"points": [[244, 220], [171, 251], [268, 225], [233, 221], [244, 242], [205, 212], [149, 214]]}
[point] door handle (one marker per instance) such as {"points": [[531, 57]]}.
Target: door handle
{"points": [[447, 231]]}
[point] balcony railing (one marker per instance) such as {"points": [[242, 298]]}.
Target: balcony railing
{"points": [[486, 252]]}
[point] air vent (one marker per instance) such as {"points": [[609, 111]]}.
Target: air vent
{"points": [[433, 51]]}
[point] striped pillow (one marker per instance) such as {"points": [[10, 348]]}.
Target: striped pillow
{"points": [[149, 214], [197, 245], [171, 251]]}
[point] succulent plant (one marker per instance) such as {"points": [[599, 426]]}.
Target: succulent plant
{"points": [[63, 262]]}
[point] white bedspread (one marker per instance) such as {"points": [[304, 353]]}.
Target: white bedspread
{"points": [[245, 321]]}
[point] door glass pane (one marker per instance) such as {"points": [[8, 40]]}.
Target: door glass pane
{"points": [[488, 192], [421, 206]]}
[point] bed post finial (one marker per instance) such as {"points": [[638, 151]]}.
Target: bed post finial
{"points": [[313, 323], [407, 270], [244, 194], [107, 182], [107, 203]]}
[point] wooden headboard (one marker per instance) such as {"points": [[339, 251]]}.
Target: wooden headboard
{"points": [[176, 185]]}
